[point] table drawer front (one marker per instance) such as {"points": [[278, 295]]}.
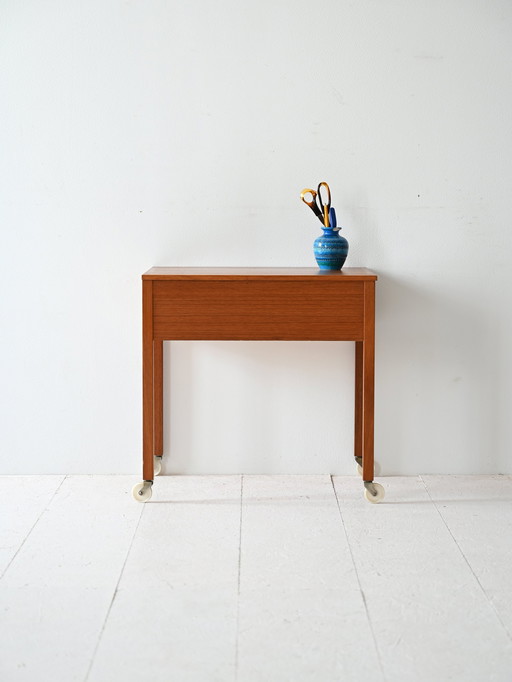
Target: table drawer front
{"points": [[258, 310]]}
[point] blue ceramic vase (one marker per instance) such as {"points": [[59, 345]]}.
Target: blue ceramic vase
{"points": [[330, 249]]}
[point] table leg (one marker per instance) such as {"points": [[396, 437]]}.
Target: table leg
{"points": [[158, 404], [368, 379], [147, 381], [358, 404]]}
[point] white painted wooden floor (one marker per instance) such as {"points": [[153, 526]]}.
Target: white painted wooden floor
{"points": [[255, 578]]}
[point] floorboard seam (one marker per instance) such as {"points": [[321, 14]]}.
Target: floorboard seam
{"points": [[33, 526], [359, 582], [465, 559], [239, 575], [114, 595]]}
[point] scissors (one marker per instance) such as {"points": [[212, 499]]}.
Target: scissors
{"points": [[319, 207]]}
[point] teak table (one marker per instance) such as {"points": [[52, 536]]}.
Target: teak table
{"points": [[257, 304]]}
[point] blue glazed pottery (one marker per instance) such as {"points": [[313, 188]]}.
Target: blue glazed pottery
{"points": [[330, 249]]}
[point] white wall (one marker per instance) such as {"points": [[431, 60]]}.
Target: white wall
{"points": [[142, 133]]}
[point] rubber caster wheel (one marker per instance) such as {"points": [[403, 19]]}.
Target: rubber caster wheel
{"points": [[142, 491], [157, 464], [374, 492]]}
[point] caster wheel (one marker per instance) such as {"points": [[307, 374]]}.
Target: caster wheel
{"points": [[142, 491], [374, 492], [157, 464]]}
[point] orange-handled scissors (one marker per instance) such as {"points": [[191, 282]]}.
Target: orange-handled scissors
{"points": [[312, 204], [317, 205]]}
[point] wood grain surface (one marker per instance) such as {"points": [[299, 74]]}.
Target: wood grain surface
{"points": [[258, 310]]}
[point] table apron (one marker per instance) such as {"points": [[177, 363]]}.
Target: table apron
{"points": [[258, 310]]}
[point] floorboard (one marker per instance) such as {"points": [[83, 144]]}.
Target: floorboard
{"points": [[57, 590], [175, 613], [430, 617], [23, 500], [302, 615], [477, 511]]}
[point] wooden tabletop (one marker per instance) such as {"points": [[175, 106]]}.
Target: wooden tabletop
{"points": [[219, 273]]}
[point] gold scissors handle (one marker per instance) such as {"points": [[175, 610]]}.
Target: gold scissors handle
{"points": [[312, 204], [325, 207]]}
